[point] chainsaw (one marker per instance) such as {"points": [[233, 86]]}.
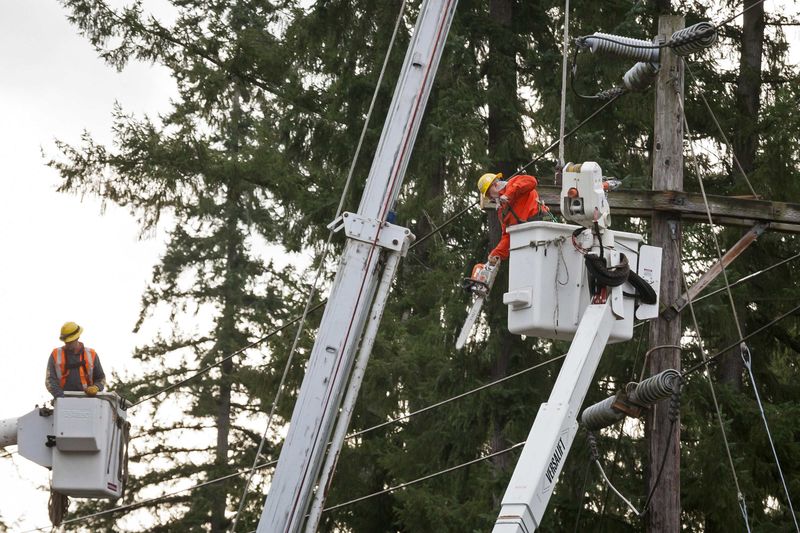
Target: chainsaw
{"points": [[478, 285]]}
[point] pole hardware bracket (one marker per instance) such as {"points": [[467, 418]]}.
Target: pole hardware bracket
{"points": [[625, 404], [373, 231]]}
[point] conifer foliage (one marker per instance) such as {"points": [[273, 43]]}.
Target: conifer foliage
{"points": [[249, 163]]}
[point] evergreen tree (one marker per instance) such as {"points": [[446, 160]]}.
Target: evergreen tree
{"points": [[200, 170], [261, 86]]}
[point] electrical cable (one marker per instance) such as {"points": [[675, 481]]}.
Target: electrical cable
{"points": [[743, 346], [748, 363], [622, 426], [202, 371], [748, 8], [320, 304], [595, 458], [419, 241], [674, 407], [748, 277], [424, 478], [143, 503], [695, 164], [569, 134], [617, 492], [723, 351], [741, 501], [563, 115], [618, 444], [321, 267], [457, 397], [721, 132], [674, 411], [685, 373]]}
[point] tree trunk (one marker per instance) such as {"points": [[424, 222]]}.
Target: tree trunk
{"points": [[506, 146], [227, 336], [731, 367], [748, 86], [745, 139]]}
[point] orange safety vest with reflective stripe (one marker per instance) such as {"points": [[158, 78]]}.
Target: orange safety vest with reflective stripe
{"points": [[86, 370]]}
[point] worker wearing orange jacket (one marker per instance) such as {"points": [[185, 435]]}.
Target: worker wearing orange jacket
{"points": [[518, 202], [74, 367]]}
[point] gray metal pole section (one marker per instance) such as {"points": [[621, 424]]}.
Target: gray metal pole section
{"points": [[353, 289], [343, 422]]}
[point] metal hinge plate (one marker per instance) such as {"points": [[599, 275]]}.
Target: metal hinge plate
{"points": [[371, 230]]}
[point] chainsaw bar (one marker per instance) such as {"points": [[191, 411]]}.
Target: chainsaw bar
{"points": [[480, 291]]}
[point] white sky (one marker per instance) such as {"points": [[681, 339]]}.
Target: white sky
{"points": [[64, 260]]}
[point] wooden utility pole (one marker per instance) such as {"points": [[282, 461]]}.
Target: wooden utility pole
{"points": [[665, 336]]}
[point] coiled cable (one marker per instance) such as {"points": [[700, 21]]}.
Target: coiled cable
{"points": [[693, 39]]}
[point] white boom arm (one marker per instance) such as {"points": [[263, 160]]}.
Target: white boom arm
{"points": [[555, 426], [351, 296]]}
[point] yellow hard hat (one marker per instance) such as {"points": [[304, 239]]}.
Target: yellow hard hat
{"points": [[485, 181], [70, 331]]}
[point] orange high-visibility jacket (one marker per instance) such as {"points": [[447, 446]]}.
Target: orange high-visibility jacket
{"points": [[86, 370], [522, 206]]}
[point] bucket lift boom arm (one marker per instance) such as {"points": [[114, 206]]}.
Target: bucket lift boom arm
{"points": [[555, 426]]}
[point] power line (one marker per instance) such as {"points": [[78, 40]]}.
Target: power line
{"points": [[749, 277], [745, 10], [321, 267], [712, 358], [748, 363], [457, 397], [144, 503], [739, 494], [356, 434], [147, 502], [721, 131], [742, 346], [742, 503], [424, 478], [226, 358], [419, 241], [297, 319]]}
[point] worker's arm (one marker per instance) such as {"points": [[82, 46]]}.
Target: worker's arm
{"points": [[501, 250], [98, 376], [519, 187], [51, 379]]}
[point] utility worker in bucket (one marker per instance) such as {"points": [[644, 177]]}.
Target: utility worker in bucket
{"points": [[74, 367], [517, 201]]}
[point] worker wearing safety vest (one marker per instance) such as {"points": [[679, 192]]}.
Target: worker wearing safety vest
{"points": [[74, 367], [518, 202]]}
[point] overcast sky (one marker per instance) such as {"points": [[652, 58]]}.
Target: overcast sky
{"points": [[64, 261]]}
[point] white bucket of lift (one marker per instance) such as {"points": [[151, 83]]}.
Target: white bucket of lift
{"points": [[89, 446], [548, 285]]}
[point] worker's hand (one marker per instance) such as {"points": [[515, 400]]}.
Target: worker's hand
{"points": [[91, 390], [494, 259], [502, 200]]}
